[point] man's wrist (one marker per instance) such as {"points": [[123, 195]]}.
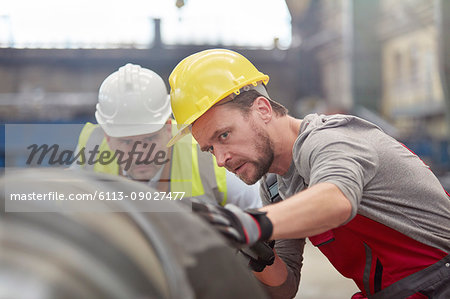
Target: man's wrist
{"points": [[273, 275], [265, 225]]}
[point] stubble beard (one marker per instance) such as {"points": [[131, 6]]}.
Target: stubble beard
{"points": [[262, 164]]}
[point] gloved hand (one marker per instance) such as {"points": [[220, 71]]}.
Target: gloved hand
{"points": [[239, 227], [259, 255]]}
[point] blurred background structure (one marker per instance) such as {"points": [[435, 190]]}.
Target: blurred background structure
{"points": [[387, 61], [381, 59], [384, 60]]}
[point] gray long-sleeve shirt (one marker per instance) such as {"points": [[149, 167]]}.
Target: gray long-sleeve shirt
{"points": [[381, 178]]}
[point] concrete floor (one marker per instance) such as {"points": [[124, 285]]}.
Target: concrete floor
{"points": [[320, 280]]}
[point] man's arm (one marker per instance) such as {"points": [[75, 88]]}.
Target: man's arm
{"points": [[310, 212], [281, 280], [307, 213]]}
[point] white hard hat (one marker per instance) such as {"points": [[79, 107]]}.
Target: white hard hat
{"points": [[132, 101]]}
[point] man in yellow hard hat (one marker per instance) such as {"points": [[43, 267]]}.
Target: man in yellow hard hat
{"points": [[134, 125], [369, 204]]}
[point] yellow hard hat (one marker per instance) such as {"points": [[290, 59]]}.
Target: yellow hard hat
{"points": [[201, 80]]}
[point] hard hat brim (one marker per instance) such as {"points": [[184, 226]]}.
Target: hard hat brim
{"points": [[124, 130], [183, 131]]}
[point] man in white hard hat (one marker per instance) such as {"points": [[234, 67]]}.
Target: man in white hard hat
{"points": [[134, 126]]}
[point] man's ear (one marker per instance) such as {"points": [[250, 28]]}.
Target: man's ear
{"points": [[168, 126], [263, 107]]}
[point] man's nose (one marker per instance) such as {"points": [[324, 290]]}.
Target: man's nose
{"points": [[139, 147], [222, 156]]}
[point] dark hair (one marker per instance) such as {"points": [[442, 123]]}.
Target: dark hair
{"points": [[245, 100]]}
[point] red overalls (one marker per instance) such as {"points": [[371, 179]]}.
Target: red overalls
{"points": [[376, 256]]}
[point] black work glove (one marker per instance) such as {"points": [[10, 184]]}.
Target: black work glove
{"points": [[239, 227], [259, 255]]}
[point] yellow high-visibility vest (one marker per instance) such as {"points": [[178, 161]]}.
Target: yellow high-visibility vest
{"points": [[192, 171]]}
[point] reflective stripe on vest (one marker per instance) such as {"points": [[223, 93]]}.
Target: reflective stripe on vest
{"points": [[373, 255], [194, 172]]}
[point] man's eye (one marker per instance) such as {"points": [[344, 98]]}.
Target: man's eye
{"points": [[211, 149], [223, 135], [150, 139]]}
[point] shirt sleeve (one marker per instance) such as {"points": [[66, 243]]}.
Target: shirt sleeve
{"points": [[336, 156], [242, 195]]}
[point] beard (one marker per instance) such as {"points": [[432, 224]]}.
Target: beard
{"points": [[261, 164]]}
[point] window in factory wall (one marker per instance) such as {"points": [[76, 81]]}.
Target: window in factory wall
{"points": [[130, 24]]}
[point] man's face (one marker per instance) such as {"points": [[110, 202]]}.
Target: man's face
{"points": [[239, 143], [148, 145]]}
